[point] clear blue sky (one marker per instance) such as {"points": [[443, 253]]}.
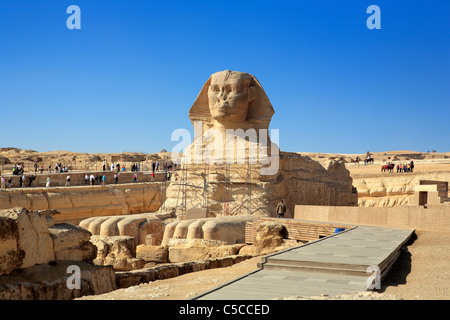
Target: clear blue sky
{"points": [[128, 78]]}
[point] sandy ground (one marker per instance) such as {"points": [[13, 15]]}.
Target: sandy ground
{"points": [[422, 270], [375, 169], [182, 287]]}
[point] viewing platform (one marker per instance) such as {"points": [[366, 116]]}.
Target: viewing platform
{"points": [[334, 265]]}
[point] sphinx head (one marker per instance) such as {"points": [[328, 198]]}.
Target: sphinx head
{"points": [[232, 99], [229, 96]]}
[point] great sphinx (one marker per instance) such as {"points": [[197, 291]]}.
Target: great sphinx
{"points": [[234, 167]]}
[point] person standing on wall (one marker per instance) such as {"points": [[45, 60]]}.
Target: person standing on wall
{"points": [[281, 209]]}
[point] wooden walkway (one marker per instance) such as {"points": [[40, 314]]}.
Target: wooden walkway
{"points": [[333, 265]]}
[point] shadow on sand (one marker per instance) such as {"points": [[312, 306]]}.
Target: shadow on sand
{"points": [[401, 268]]}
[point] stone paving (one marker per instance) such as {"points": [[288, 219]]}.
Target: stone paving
{"points": [[333, 265]]}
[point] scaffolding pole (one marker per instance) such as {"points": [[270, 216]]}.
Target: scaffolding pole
{"points": [[249, 186]]}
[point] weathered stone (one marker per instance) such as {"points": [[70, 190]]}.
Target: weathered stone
{"points": [[137, 226], [199, 249], [24, 240], [49, 282], [71, 242], [157, 254], [118, 251], [268, 234]]}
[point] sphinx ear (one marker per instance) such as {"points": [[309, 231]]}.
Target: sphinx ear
{"points": [[251, 93]]}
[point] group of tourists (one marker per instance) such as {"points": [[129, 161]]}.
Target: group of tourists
{"points": [[100, 179], [409, 167], [406, 167], [24, 181], [114, 167], [18, 169]]}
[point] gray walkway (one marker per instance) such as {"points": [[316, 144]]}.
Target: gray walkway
{"points": [[333, 265]]}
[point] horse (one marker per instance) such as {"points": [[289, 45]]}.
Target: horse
{"points": [[389, 167]]}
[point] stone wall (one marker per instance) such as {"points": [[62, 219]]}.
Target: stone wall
{"points": [[80, 202], [78, 178], [435, 218], [392, 189]]}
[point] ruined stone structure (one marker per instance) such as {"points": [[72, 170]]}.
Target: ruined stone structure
{"points": [[35, 254], [430, 211], [81, 202]]}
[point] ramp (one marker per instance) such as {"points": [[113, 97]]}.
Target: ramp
{"points": [[333, 265]]}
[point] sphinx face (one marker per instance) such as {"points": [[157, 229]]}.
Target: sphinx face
{"points": [[228, 97]]}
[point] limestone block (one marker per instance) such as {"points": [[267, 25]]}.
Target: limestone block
{"points": [[151, 226], [71, 242], [228, 229], [157, 254], [268, 234], [196, 213], [49, 282], [118, 251], [199, 249], [25, 239]]}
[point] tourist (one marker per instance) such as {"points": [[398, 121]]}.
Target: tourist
{"points": [[9, 182], [153, 175], [281, 209], [157, 166], [104, 165], [35, 167], [30, 180], [68, 181], [412, 165], [123, 168], [92, 178], [103, 180], [86, 179], [3, 183], [112, 166], [116, 177], [42, 168], [135, 178], [47, 184]]}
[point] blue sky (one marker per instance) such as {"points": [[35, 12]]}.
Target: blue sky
{"points": [[127, 79]]}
